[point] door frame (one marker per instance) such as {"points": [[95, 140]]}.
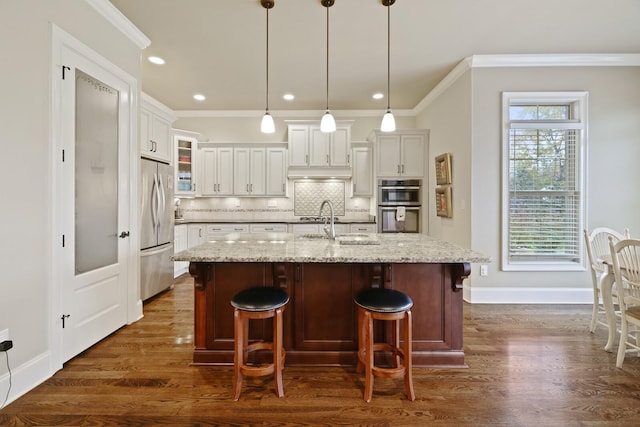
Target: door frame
{"points": [[60, 40]]}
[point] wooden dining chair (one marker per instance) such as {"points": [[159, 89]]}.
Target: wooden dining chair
{"points": [[625, 255], [597, 244]]}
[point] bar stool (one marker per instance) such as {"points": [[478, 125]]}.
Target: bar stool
{"points": [[258, 303], [384, 304]]}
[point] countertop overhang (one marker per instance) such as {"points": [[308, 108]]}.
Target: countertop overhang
{"points": [[286, 247]]}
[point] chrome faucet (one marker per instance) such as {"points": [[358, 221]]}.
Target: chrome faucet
{"points": [[330, 231]]}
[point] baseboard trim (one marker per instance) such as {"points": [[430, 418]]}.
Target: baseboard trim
{"points": [[481, 295], [25, 377]]}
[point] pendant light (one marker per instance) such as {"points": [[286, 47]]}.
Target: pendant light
{"points": [[267, 125], [328, 123], [388, 121]]}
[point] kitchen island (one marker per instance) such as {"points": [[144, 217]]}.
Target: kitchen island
{"points": [[322, 277]]}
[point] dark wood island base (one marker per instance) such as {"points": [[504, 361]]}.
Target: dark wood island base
{"points": [[320, 321]]}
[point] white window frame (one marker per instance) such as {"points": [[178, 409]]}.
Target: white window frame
{"points": [[579, 119]]}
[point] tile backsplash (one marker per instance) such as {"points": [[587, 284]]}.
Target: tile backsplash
{"points": [[308, 196], [305, 198]]}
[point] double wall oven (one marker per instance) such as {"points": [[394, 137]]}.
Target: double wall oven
{"points": [[399, 205]]}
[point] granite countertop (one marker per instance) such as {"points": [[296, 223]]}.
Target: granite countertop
{"points": [[354, 248]]}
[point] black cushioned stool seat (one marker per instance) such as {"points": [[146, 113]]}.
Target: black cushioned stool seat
{"points": [[258, 303], [384, 304]]}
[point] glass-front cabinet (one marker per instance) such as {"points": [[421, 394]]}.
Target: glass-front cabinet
{"points": [[186, 144]]}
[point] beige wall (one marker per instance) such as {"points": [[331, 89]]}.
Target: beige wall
{"points": [[613, 150], [448, 119], [25, 168]]}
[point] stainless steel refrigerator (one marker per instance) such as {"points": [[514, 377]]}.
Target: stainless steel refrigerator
{"points": [[156, 240]]}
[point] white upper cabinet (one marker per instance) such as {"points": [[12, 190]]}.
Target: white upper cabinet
{"points": [[216, 171], [362, 180], [401, 153], [276, 172], [155, 130], [313, 153], [298, 145], [249, 171], [186, 146], [329, 149]]}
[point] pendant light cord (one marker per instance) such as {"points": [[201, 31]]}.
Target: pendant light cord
{"points": [[267, 73], [388, 56], [327, 58]]}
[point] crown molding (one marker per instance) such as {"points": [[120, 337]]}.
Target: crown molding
{"points": [[121, 22], [556, 60], [526, 60], [288, 113]]}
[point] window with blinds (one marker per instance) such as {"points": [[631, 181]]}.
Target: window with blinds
{"points": [[543, 181]]}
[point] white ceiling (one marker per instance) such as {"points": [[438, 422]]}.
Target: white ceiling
{"points": [[217, 47]]}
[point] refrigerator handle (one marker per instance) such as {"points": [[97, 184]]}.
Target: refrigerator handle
{"points": [[154, 203], [162, 197]]}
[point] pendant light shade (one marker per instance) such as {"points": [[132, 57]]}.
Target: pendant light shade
{"points": [[388, 121], [267, 125], [328, 123]]}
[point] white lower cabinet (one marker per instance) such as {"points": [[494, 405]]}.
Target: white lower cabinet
{"points": [[196, 234], [268, 228], [218, 230], [299, 229], [362, 228], [180, 243]]}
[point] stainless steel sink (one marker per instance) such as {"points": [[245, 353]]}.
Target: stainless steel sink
{"points": [[358, 239], [312, 236]]}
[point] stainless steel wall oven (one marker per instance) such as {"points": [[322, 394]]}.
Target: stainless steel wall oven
{"points": [[399, 205]]}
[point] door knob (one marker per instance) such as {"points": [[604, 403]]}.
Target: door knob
{"points": [[124, 234]]}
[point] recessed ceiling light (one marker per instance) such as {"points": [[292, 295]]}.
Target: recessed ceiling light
{"points": [[288, 96], [199, 97], [156, 60], [378, 96]]}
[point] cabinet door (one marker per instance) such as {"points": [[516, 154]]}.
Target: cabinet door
{"points": [[362, 172], [388, 155], [319, 147], [196, 235], [340, 146], [146, 147], [186, 149], [161, 138], [276, 172], [306, 229], [298, 145], [412, 156], [327, 326], [208, 177], [362, 228], [258, 172], [241, 171], [224, 167]]}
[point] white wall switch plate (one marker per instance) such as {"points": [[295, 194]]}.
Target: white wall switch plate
{"points": [[484, 270], [4, 335]]}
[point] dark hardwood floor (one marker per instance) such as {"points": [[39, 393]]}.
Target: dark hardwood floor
{"points": [[529, 365]]}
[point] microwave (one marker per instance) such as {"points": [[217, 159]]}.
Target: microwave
{"points": [[399, 192]]}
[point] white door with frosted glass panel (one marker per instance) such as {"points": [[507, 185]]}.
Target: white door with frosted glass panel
{"points": [[95, 207]]}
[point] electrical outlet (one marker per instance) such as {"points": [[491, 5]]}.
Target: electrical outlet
{"points": [[484, 270], [4, 335]]}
